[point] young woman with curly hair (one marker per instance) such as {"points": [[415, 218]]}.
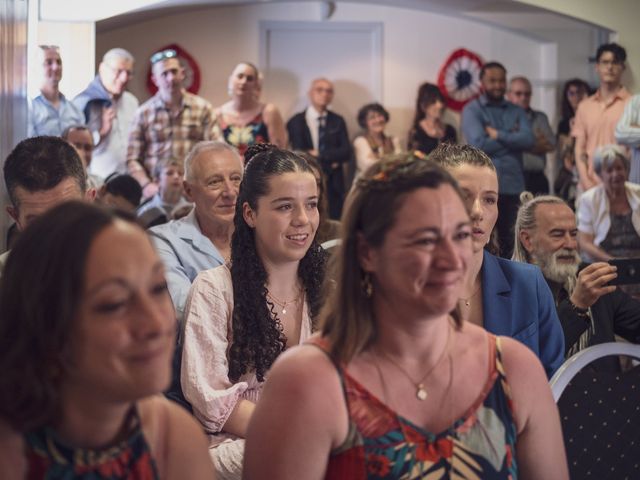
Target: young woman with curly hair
{"points": [[241, 316]]}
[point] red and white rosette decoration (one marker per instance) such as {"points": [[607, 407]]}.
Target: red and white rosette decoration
{"points": [[459, 78], [191, 70]]}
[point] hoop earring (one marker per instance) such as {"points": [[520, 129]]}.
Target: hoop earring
{"points": [[367, 286]]}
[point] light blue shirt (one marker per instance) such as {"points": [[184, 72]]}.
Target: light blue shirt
{"points": [[514, 137], [628, 133], [45, 119], [185, 252]]}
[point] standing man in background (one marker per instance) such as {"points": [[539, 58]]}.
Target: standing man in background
{"points": [[109, 109], [167, 125], [502, 130], [597, 116], [50, 113], [323, 134], [534, 160]]}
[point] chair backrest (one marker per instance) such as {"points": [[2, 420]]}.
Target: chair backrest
{"points": [[573, 365], [600, 414], [329, 244]]}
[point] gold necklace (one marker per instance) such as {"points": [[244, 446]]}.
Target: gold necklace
{"points": [[421, 391], [467, 301], [283, 303]]}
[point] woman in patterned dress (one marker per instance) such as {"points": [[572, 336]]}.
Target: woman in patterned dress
{"points": [[87, 330], [396, 386], [245, 120]]}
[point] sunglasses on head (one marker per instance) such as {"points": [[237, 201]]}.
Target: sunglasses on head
{"points": [[163, 55]]}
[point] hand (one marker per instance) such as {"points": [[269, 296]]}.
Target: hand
{"points": [[314, 152], [108, 114], [149, 190], [335, 165], [593, 282], [542, 145], [567, 160], [492, 132]]}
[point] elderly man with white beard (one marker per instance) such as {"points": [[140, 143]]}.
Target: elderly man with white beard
{"points": [[591, 311]]}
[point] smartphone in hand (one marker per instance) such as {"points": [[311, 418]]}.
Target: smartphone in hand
{"points": [[628, 271]]}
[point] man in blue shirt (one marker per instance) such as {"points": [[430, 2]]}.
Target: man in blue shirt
{"points": [[502, 130], [50, 113]]}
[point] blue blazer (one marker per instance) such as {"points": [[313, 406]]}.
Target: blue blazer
{"points": [[517, 303]]}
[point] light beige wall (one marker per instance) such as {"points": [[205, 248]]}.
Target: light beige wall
{"points": [[77, 50], [415, 45], [620, 16]]}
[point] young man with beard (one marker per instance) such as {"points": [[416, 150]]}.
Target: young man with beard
{"points": [[591, 311], [501, 130]]}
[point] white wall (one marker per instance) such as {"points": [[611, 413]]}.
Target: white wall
{"points": [[415, 44]]}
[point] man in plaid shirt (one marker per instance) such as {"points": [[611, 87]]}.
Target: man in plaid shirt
{"points": [[168, 124]]}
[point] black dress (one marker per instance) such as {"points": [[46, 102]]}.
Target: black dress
{"points": [[420, 140]]}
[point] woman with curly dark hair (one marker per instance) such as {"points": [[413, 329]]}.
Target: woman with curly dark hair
{"points": [[241, 316]]}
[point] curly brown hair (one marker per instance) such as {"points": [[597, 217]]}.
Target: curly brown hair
{"points": [[258, 338]]}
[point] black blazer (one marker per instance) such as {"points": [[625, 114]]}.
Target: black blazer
{"points": [[337, 145], [615, 313]]}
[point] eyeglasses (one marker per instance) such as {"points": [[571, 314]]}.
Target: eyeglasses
{"points": [[163, 55], [610, 63], [120, 71]]}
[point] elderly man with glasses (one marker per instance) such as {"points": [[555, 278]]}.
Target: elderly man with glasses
{"points": [[534, 160], [108, 109], [167, 125]]}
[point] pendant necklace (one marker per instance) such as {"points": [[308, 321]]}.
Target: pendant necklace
{"points": [[467, 301], [421, 391], [283, 303]]}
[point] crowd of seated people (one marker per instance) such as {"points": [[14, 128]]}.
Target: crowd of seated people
{"points": [[450, 297]]}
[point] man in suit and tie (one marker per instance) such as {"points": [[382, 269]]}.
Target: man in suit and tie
{"points": [[323, 134]]}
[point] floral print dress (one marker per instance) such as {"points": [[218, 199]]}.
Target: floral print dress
{"points": [[383, 445], [49, 458]]}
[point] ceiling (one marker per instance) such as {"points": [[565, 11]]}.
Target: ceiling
{"points": [[509, 14]]}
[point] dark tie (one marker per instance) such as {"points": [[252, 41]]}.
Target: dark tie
{"points": [[322, 128]]}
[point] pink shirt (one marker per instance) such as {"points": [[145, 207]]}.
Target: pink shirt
{"points": [[595, 122], [204, 375]]}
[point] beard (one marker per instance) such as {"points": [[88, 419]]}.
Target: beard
{"points": [[563, 273]]}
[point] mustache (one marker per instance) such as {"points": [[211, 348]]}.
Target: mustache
{"points": [[567, 252]]}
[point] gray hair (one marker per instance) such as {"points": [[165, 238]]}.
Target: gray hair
{"points": [[519, 78], [606, 154], [118, 53], [526, 220], [206, 146]]}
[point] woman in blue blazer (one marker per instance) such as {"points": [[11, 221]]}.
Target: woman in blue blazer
{"points": [[505, 297]]}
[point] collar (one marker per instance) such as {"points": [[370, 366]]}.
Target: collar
{"points": [[621, 94], [314, 114], [484, 101], [159, 104]]}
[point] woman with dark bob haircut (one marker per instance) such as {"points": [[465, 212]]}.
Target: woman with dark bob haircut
{"points": [[372, 143], [396, 386], [86, 335], [241, 316]]}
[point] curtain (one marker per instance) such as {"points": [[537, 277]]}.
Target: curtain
{"points": [[13, 89]]}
